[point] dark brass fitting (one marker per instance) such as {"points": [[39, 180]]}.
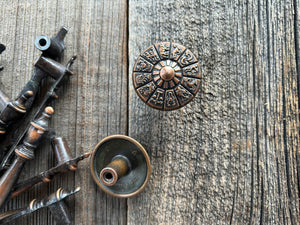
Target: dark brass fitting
{"points": [[114, 170], [166, 76], [120, 166], [65, 163], [24, 152], [52, 68], [62, 152], [12, 111], [55, 202], [2, 48], [52, 47]]}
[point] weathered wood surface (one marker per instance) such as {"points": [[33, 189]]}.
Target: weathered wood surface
{"points": [[231, 156]]}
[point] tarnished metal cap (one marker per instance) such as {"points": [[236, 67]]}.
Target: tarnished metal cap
{"points": [[166, 76], [120, 166]]}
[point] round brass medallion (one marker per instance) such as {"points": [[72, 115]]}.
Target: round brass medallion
{"points": [[166, 76]]}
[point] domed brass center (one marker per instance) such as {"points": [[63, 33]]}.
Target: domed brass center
{"points": [[167, 73]]}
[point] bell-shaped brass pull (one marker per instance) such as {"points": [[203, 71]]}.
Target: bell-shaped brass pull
{"points": [[120, 166]]}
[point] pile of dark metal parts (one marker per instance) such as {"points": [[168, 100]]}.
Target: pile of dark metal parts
{"points": [[120, 165], [17, 146]]}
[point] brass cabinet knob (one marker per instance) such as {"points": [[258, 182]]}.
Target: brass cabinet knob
{"points": [[120, 166], [166, 76]]}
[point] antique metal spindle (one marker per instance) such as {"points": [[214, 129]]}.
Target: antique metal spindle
{"points": [[65, 163], [59, 72], [12, 111], [52, 48], [55, 202], [24, 152]]}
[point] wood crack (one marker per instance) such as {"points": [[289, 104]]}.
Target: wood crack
{"points": [[297, 58]]}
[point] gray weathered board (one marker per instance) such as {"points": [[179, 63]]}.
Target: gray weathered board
{"points": [[231, 156]]}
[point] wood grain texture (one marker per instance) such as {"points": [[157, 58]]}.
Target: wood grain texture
{"points": [[229, 157], [92, 105]]}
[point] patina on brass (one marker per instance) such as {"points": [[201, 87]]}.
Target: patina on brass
{"points": [[10, 111], [24, 152], [51, 48], [166, 76], [65, 163], [114, 170], [120, 166], [54, 202], [59, 72]]}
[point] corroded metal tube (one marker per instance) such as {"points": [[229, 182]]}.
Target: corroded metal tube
{"points": [[11, 111], [116, 169], [24, 152], [62, 152]]}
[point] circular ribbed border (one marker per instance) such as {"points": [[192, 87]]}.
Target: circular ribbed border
{"points": [[166, 93], [141, 148]]}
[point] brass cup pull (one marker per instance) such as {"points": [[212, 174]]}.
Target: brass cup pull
{"points": [[114, 171], [120, 166]]}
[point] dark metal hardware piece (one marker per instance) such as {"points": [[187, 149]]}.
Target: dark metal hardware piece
{"points": [[12, 111], [114, 171], [120, 166], [166, 76], [24, 152], [65, 163], [52, 47], [53, 68], [48, 46], [49, 66], [55, 202], [2, 48]]}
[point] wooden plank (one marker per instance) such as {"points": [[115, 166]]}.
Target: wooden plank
{"points": [[229, 157], [92, 105]]}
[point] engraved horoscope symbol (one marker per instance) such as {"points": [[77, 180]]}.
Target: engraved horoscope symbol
{"points": [[182, 93], [143, 65], [147, 90], [170, 99], [192, 70], [158, 98], [192, 84], [150, 54], [164, 50], [176, 52], [186, 58], [142, 79]]}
